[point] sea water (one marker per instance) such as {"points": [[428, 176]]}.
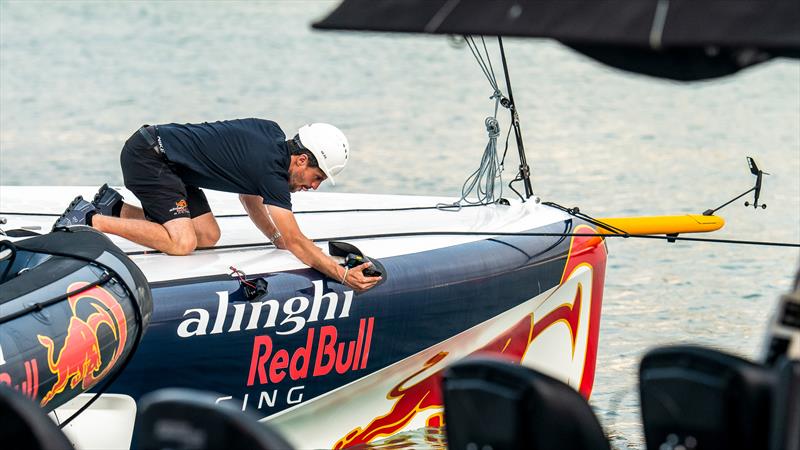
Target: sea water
{"points": [[77, 78]]}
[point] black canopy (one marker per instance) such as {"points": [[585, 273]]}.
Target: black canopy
{"points": [[678, 39]]}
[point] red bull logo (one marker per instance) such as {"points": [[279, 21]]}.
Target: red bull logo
{"points": [[80, 361], [425, 394], [29, 387]]}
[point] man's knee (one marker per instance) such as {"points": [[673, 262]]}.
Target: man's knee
{"points": [[208, 237], [211, 237], [182, 236], [183, 245], [207, 230]]}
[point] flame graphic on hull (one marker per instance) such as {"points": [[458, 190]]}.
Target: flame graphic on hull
{"points": [[589, 251], [80, 358], [512, 344]]}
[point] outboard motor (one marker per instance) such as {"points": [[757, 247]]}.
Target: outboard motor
{"points": [[73, 308], [492, 403], [183, 419]]}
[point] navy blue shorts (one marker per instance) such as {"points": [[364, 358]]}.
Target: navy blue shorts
{"points": [[153, 179]]}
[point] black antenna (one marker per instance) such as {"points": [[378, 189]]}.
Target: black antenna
{"points": [[524, 170], [755, 189]]}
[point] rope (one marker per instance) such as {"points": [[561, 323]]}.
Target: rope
{"points": [[576, 212], [38, 306], [484, 64], [485, 178], [488, 175]]}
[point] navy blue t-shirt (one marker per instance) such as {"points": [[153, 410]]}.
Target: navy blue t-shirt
{"points": [[245, 156]]}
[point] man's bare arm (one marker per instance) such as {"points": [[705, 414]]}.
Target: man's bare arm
{"points": [[255, 208], [271, 219]]}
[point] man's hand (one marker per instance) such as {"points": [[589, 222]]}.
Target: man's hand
{"points": [[356, 279], [271, 219]]}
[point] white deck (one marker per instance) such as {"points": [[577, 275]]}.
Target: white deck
{"points": [[240, 230]]}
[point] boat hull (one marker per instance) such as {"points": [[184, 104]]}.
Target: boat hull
{"points": [[312, 348]]}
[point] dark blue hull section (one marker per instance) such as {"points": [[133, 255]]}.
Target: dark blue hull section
{"points": [[317, 335]]}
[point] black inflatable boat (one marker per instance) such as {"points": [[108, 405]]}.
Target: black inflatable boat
{"points": [[73, 308]]}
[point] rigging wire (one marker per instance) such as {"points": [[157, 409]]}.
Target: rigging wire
{"points": [[490, 234], [488, 175], [576, 212], [616, 232], [318, 211]]}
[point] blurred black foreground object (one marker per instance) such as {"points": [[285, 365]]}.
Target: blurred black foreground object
{"points": [[175, 419], [702, 398], [491, 403], [183, 419], [692, 398], [23, 424]]}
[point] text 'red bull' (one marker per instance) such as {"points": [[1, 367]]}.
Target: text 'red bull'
{"points": [[321, 355], [30, 385]]}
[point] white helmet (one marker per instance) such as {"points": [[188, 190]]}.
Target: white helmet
{"points": [[328, 144]]}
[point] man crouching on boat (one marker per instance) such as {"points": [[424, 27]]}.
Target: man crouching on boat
{"points": [[166, 165]]}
